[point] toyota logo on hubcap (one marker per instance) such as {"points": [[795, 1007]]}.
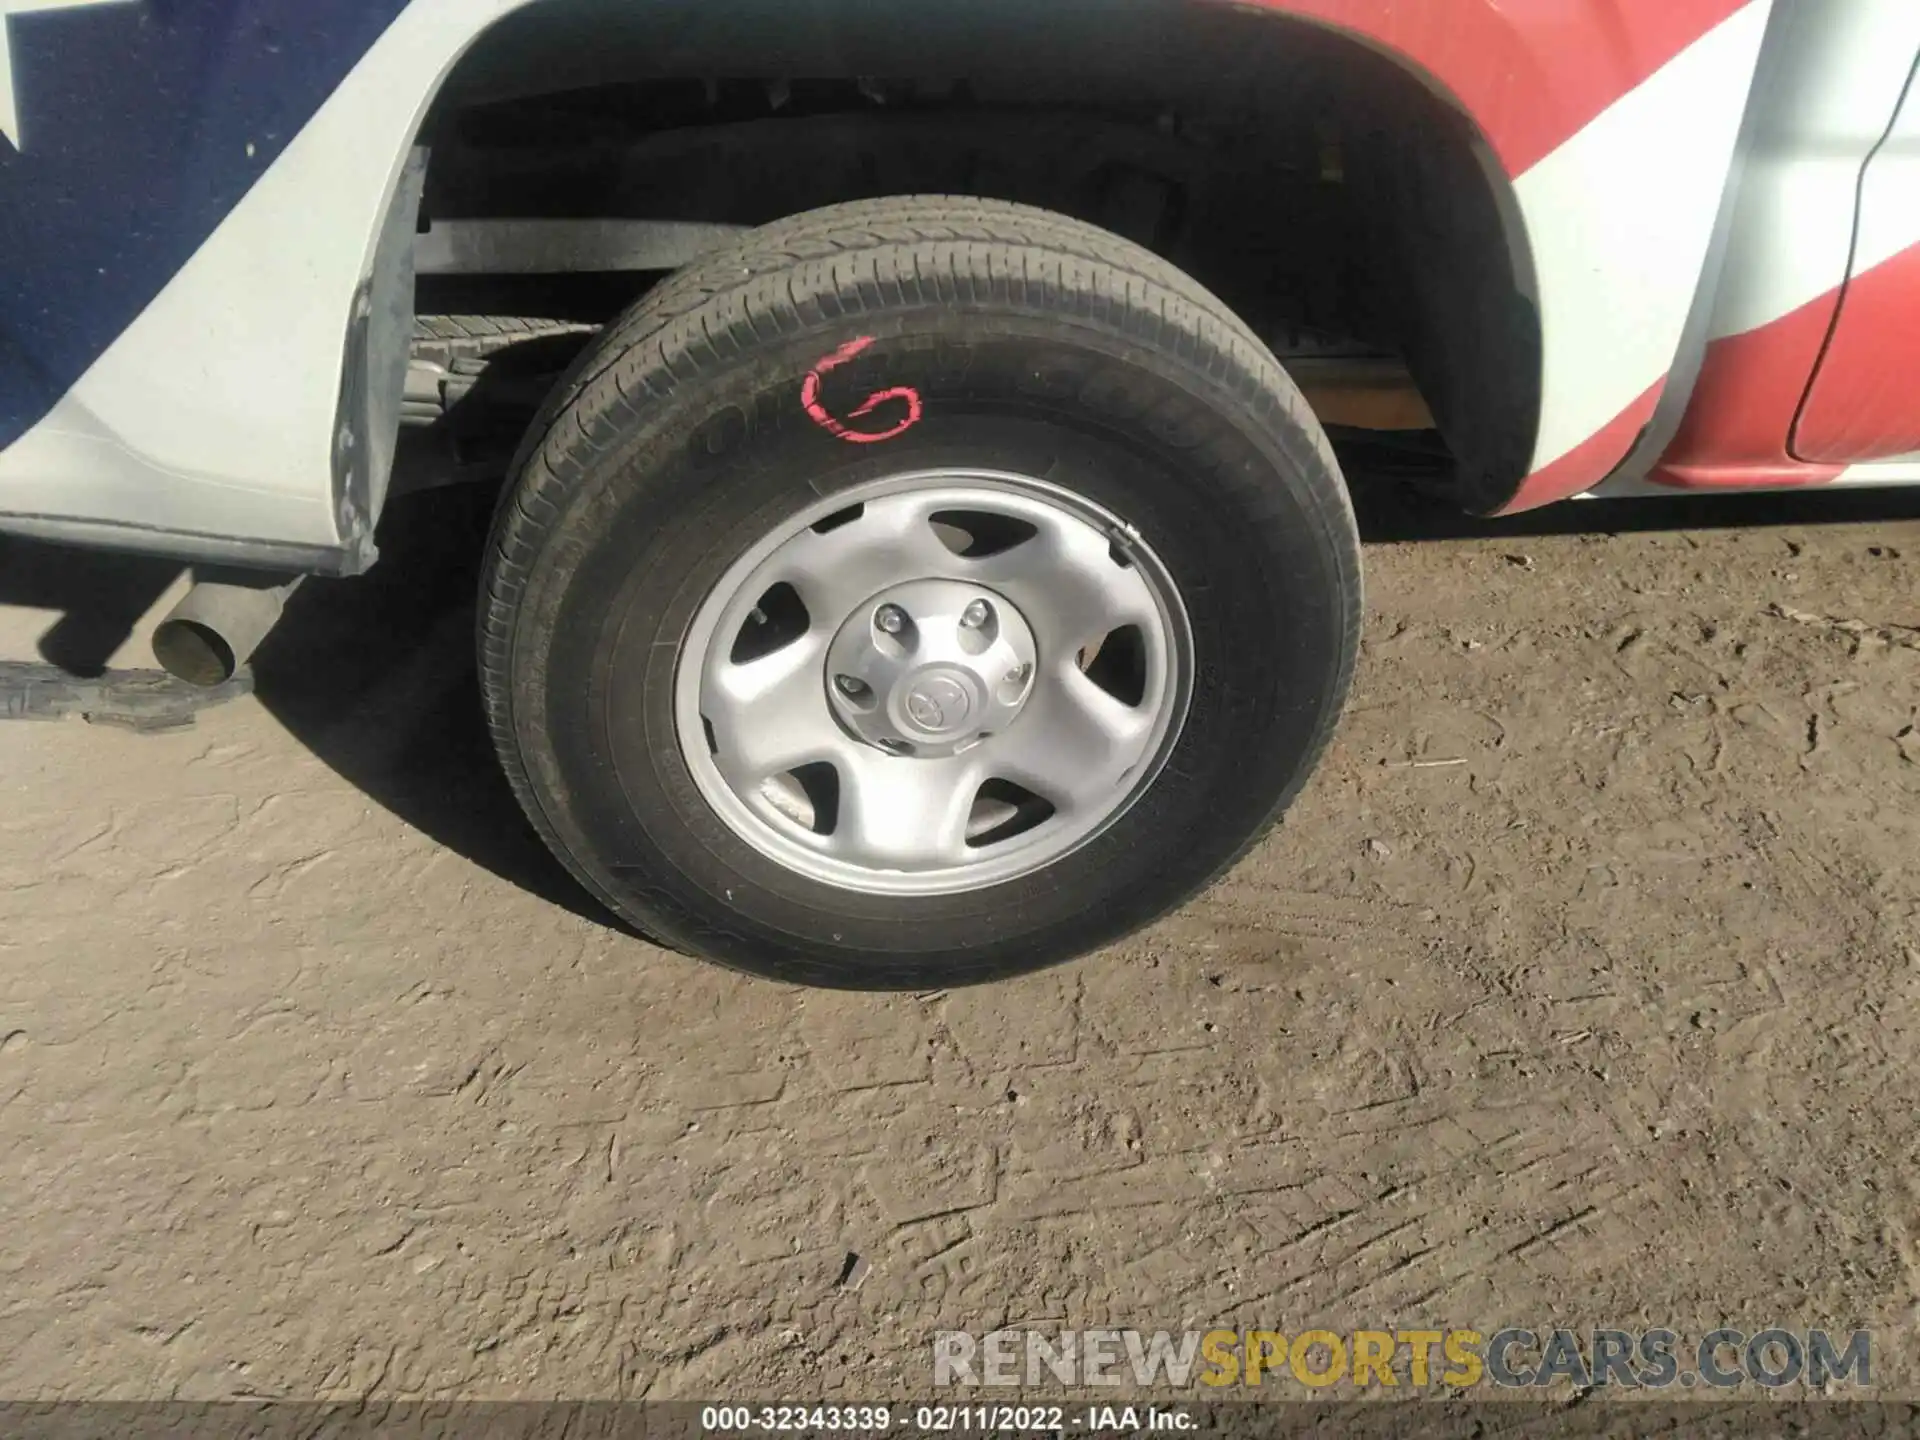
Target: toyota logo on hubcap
{"points": [[938, 705]]}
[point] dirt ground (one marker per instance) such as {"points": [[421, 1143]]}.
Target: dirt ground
{"points": [[1582, 987]]}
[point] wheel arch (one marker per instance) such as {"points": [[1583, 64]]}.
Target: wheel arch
{"points": [[1451, 236], [1460, 117]]}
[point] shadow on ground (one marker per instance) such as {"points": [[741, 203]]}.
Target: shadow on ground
{"points": [[376, 674]]}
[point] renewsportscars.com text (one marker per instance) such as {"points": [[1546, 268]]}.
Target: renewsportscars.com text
{"points": [[1508, 1358]]}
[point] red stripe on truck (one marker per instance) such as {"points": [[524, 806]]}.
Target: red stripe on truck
{"points": [[1531, 75]]}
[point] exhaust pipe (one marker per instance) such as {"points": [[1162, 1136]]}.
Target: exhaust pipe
{"points": [[219, 623]]}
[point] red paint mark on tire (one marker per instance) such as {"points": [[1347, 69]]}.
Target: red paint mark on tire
{"points": [[810, 399]]}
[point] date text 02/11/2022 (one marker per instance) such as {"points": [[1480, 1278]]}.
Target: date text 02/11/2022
{"points": [[942, 1419]]}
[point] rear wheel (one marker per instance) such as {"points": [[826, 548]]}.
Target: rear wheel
{"points": [[920, 592]]}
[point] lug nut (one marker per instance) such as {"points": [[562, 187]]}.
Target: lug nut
{"points": [[848, 685], [1017, 675], [890, 619], [975, 615]]}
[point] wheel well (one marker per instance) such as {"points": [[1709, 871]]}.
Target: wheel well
{"points": [[1332, 197]]}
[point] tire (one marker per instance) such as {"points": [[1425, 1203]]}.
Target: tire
{"points": [[1067, 377], [505, 358]]}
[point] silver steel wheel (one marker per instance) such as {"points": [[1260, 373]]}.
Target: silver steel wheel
{"points": [[934, 682]]}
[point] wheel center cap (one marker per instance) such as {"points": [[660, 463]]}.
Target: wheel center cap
{"points": [[931, 667], [938, 704]]}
